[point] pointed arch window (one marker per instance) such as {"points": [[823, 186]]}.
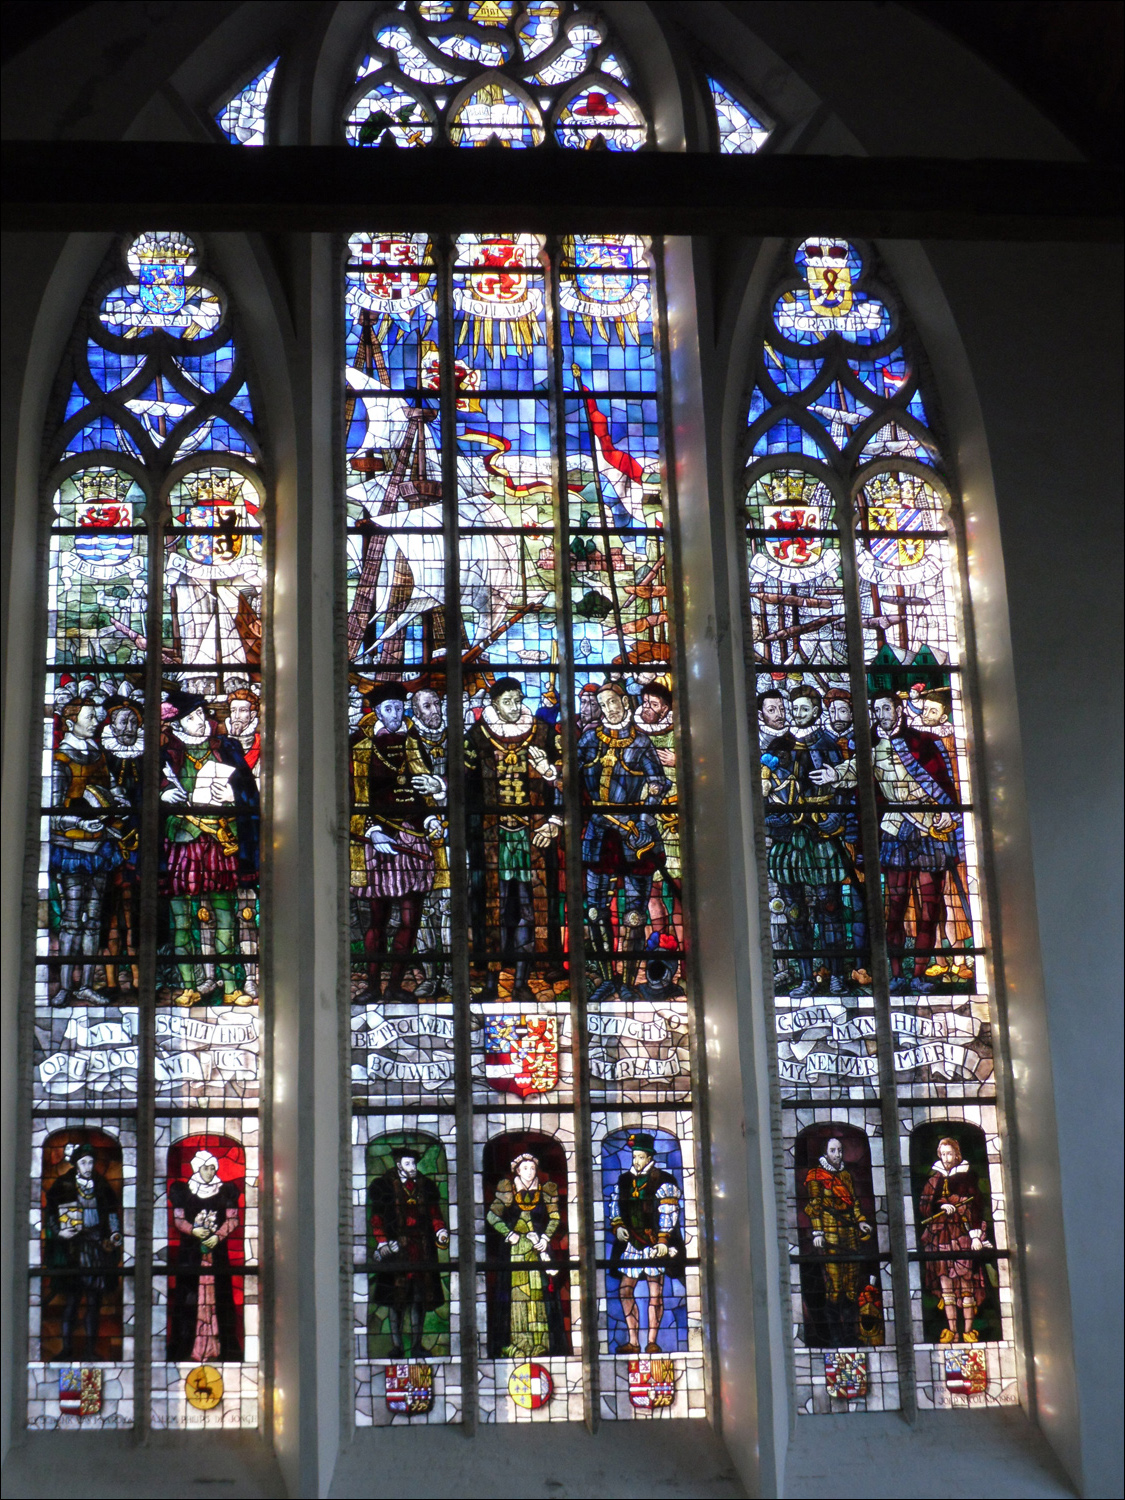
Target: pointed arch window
{"points": [[144, 1217], [872, 884], [514, 758]]}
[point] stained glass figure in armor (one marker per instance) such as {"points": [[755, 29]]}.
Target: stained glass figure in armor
{"points": [[841, 1294], [645, 1212], [395, 829], [87, 833], [622, 845], [513, 776], [839, 1229], [203, 1322], [526, 1314], [917, 846], [407, 1227], [801, 770], [83, 1231], [206, 851], [954, 1218]]}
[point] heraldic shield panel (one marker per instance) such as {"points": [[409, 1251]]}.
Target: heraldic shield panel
{"points": [[505, 490], [147, 990], [856, 647]]}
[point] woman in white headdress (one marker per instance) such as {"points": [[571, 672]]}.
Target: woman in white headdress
{"points": [[203, 1323]]}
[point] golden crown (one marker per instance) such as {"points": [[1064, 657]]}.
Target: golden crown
{"points": [[162, 248], [790, 487], [99, 485], [214, 489]]}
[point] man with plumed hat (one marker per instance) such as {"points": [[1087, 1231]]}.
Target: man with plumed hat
{"points": [[209, 847], [644, 1216], [393, 831]]}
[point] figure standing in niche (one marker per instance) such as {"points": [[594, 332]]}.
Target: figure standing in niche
{"points": [[838, 1229], [952, 1217], [512, 780], [205, 854], [408, 1227], [644, 1215], [83, 1224], [527, 1319], [394, 829], [202, 1323], [85, 847]]}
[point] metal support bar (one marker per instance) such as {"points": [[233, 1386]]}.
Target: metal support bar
{"points": [[123, 185], [458, 862]]}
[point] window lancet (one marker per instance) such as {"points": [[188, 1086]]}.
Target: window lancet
{"points": [[243, 118], [871, 884], [144, 1224], [527, 1215]]}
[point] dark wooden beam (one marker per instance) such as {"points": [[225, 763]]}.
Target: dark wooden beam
{"points": [[132, 184]]}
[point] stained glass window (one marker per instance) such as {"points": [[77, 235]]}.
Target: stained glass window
{"points": [[527, 1230], [243, 118], [872, 885], [740, 131], [495, 74], [143, 1210]]}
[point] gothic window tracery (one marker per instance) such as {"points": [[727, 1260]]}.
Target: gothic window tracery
{"points": [[144, 1198], [872, 883]]}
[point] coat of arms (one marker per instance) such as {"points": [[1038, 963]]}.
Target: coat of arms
{"points": [[845, 1375], [652, 1383], [899, 504], [530, 1386], [410, 1389], [829, 277], [80, 1391], [787, 521], [203, 1387], [499, 267], [521, 1054], [103, 513], [594, 257], [966, 1373]]}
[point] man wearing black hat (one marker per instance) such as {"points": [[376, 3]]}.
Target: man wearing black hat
{"points": [[644, 1214], [206, 854], [407, 1226], [83, 1229]]}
